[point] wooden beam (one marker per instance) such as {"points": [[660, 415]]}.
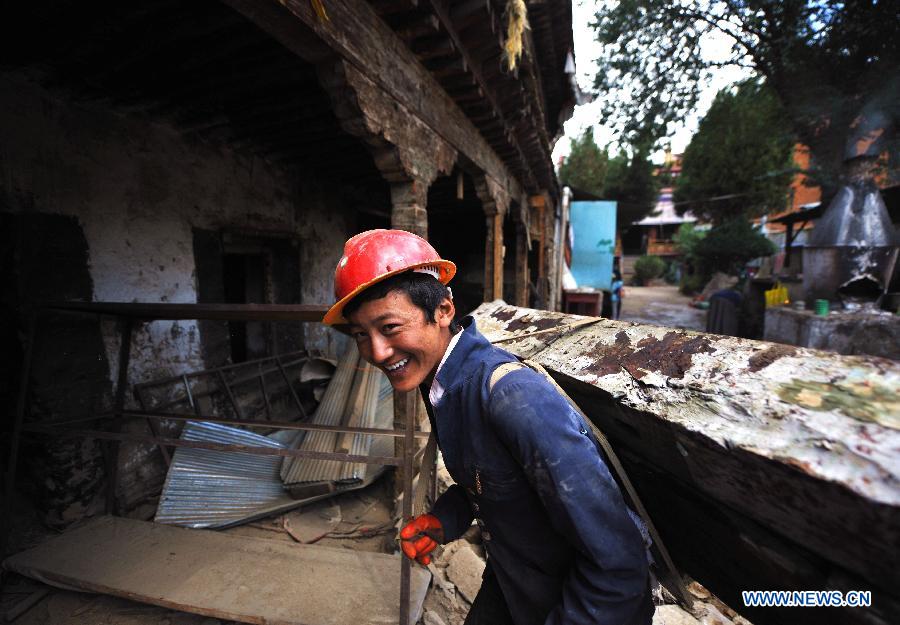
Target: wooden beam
{"points": [[442, 10], [784, 459], [358, 35]]}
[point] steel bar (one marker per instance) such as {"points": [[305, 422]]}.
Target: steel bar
{"points": [[290, 386], [275, 425], [237, 381], [112, 455], [239, 365], [231, 398], [190, 395], [175, 442], [220, 312], [17, 430], [265, 394], [409, 424]]}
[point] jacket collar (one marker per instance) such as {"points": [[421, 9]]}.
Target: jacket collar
{"points": [[470, 342]]}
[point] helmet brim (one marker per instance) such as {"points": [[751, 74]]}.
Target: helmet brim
{"points": [[335, 314]]}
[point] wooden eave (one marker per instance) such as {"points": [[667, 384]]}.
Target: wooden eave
{"points": [[460, 43]]}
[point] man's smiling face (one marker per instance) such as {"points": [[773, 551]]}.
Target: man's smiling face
{"points": [[395, 335]]}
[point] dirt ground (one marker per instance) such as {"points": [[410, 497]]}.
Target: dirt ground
{"points": [[360, 520], [662, 306]]}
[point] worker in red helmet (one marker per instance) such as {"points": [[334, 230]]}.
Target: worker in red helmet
{"points": [[562, 546]]}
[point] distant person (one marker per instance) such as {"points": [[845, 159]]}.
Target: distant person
{"points": [[618, 291]]}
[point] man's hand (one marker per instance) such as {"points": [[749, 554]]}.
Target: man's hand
{"points": [[420, 536]]}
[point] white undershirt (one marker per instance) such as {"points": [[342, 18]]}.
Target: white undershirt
{"points": [[437, 391]]}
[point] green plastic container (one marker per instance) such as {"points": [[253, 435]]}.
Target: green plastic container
{"points": [[821, 307]]}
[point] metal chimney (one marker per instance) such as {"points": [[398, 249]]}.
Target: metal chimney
{"points": [[852, 251]]}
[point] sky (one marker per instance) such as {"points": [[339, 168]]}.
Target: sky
{"points": [[587, 50]]}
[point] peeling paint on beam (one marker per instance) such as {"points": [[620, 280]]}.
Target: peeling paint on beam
{"points": [[804, 442]]}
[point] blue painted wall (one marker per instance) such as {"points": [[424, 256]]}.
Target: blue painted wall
{"points": [[594, 233]]}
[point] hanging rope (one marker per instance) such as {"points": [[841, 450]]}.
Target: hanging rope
{"points": [[517, 22]]}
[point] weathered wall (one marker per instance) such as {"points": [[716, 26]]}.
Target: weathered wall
{"points": [[138, 189]]}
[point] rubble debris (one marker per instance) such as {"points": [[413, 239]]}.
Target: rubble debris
{"points": [[313, 523], [231, 577], [465, 569], [432, 618], [673, 615]]}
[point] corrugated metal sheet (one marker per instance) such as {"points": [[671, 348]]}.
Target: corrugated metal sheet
{"points": [[215, 489], [359, 394], [207, 488], [381, 417], [329, 412]]}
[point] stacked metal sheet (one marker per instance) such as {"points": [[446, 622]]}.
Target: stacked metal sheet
{"points": [[358, 395]]}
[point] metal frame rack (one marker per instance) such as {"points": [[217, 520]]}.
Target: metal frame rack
{"points": [[131, 314]]}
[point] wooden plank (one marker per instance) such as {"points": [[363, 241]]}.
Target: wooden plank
{"points": [[793, 453], [357, 34], [250, 580]]}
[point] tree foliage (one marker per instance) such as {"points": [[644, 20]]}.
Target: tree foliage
{"points": [[585, 166], [630, 180], [646, 268], [739, 163], [686, 240], [729, 246], [829, 63]]}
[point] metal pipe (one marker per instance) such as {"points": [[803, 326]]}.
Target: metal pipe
{"points": [[290, 386], [275, 425], [175, 442], [195, 374], [231, 398]]}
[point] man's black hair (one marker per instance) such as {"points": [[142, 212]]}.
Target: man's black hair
{"points": [[424, 291]]}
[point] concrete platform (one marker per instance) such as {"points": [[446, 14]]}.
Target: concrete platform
{"points": [[872, 334]]}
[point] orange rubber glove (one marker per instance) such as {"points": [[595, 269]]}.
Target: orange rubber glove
{"points": [[420, 536]]}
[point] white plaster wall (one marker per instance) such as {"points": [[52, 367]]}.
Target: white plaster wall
{"points": [[138, 188]]}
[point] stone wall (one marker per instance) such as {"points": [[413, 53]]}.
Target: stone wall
{"points": [[136, 190]]}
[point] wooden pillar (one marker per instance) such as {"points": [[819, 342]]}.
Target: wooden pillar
{"points": [[521, 294], [408, 207], [493, 257], [498, 256]]}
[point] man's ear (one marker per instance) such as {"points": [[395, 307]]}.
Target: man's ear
{"points": [[445, 313]]}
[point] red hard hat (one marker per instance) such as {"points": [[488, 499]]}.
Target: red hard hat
{"points": [[375, 255]]}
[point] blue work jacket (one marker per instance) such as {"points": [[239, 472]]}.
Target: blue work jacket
{"points": [[560, 540]]}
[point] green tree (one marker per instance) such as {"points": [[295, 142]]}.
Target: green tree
{"points": [[834, 66], [585, 166], [630, 180], [728, 246], [739, 163], [686, 240]]}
